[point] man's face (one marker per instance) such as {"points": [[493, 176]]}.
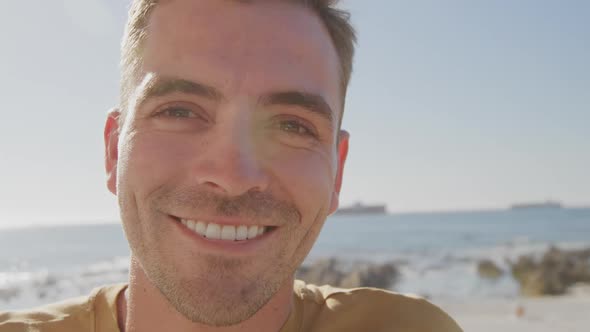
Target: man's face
{"points": [[233, 125]]}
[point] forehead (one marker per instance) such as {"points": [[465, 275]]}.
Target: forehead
{"points": [[243, 48]]}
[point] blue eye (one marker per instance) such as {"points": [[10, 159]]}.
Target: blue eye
{"points": [[178, 112], [296, 127]]}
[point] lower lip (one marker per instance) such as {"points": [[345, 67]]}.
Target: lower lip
{"points": [[244, 247]]}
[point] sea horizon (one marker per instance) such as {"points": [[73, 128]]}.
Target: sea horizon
{"points": [[107, 221]]}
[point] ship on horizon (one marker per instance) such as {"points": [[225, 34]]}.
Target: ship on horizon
{"points": [[360, 208], [535, 206]]}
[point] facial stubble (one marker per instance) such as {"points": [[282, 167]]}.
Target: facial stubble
{"points": [[218, 290]]}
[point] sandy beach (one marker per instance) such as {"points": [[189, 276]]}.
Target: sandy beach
{"points": [[568, 313]]}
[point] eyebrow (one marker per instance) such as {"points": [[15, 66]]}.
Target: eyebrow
{"points": [[308, 101], [162, 86]]}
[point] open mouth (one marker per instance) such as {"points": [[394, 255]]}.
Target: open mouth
{"points": [[213, 231]]}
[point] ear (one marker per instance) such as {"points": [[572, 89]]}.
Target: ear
{"points": [[343, 138], [111, 142]]}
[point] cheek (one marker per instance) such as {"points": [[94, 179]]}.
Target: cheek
{"points": [[308, 178], [149, 160]]}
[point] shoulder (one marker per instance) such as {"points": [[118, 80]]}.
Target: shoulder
{"points": [[76, 314], [372, 309], [72, 312]]}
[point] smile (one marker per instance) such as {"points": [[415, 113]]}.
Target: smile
{"points": [[215, 231]]}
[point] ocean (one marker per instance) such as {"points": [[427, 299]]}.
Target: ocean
{"points": [[436, 253]]}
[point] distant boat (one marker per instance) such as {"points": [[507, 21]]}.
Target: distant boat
{"points": [[360, 208], [536, 206]]}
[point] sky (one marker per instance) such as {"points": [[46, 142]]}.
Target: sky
{"points": [[453, 105]]}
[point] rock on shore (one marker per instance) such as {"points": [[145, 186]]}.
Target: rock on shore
{"points": [[349, 275], [489, 270], [554, 273]]}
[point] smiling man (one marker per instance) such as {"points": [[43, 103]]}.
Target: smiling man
{"points": [[226, 156]]}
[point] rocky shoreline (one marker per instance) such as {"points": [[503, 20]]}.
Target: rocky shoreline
{"points": [[338, 273], [553, 273]]}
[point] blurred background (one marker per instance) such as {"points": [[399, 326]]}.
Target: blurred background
{"points": [[470, 153]]}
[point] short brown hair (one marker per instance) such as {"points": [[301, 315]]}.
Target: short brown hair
{"points": [[337, 22]]}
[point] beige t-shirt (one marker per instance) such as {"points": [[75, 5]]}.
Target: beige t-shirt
{"points": [[324, 309]]}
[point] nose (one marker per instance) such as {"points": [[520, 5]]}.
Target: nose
{"points": [[232, 163]]}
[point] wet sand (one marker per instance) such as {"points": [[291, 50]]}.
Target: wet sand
{"points": [[568, 313]]}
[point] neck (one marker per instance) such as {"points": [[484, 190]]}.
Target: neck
{"points": [[141, 307]]}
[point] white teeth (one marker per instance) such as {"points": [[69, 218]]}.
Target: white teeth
{"points": [[219, 232], [213, 231], [242, 233], [190, 224], [201, 228], [252, 232], [228, 233]]}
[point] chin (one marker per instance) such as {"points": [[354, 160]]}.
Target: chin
{"points": [[217, 300]]}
